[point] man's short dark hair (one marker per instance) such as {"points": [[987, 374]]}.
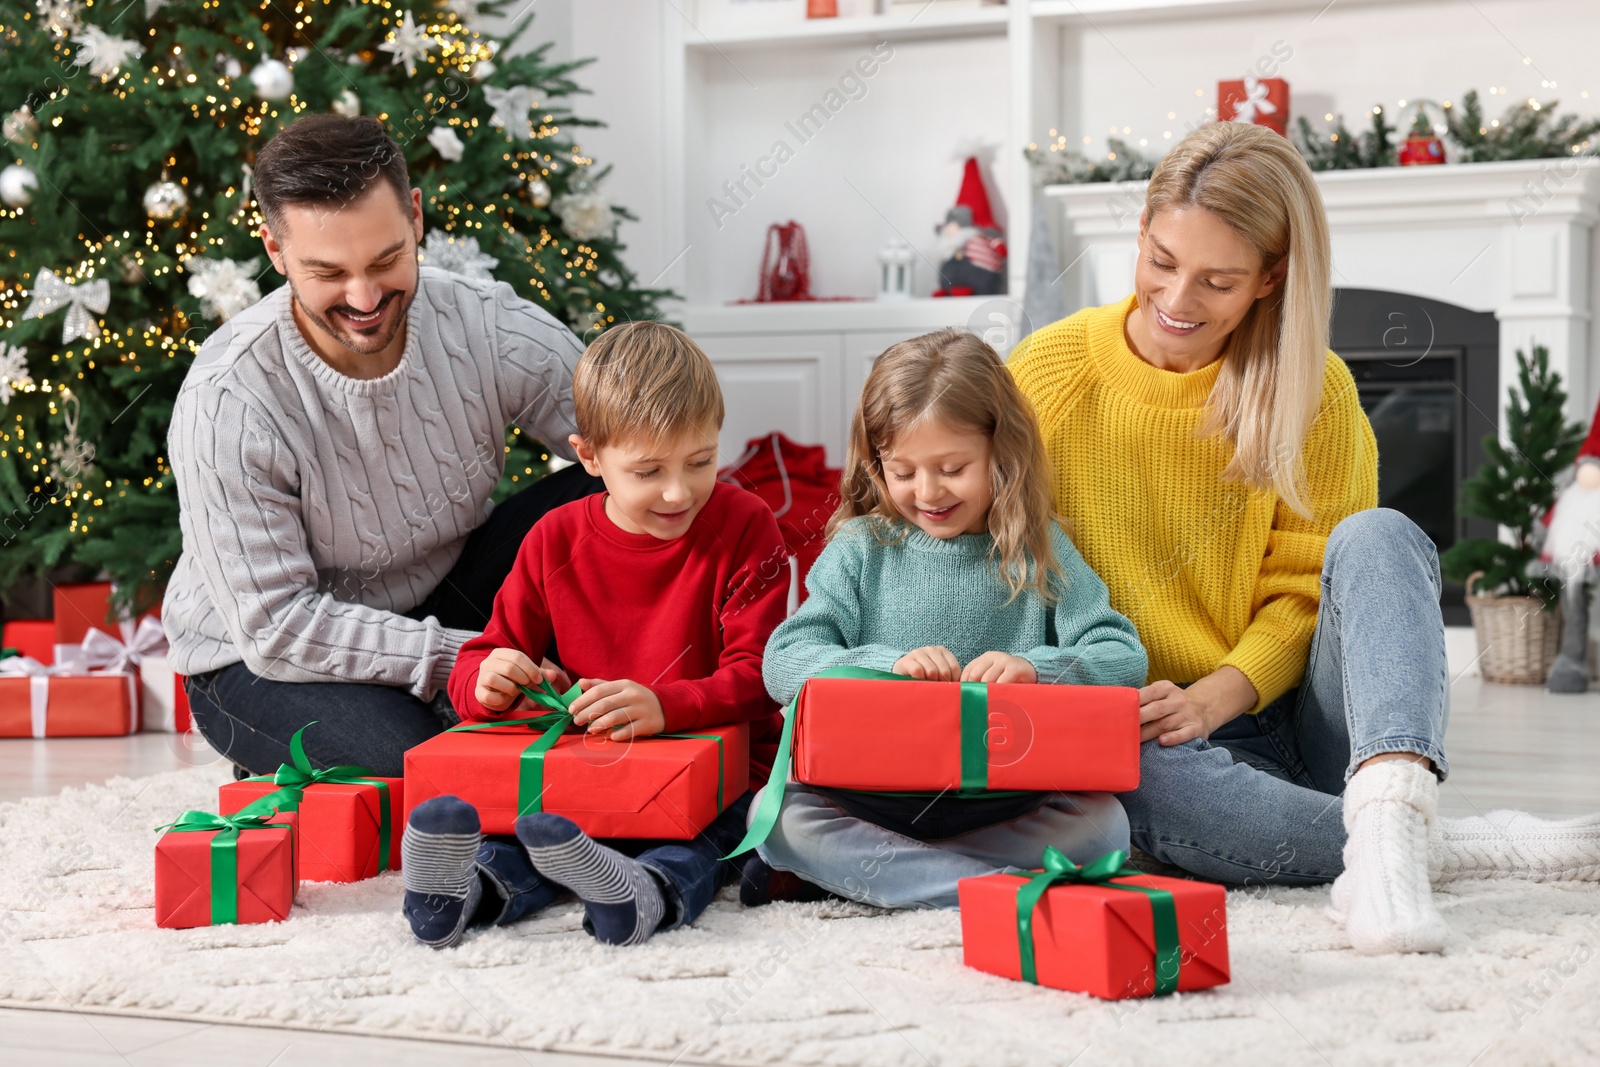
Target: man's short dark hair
{"points": [[327, 161]]}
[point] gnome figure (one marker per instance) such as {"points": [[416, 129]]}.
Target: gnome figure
{"points": [[1570, 552], [971, 248]]}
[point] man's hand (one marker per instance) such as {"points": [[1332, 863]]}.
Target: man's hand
{"points": [[624, 707], [1175, 715], [931, 663], [999, 667]]}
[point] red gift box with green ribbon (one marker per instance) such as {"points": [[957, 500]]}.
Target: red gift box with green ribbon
{"points": [[1102, 928], [215, 869], [668, 786], [350, 819], [856, 728]]}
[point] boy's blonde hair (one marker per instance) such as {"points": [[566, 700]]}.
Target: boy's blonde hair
{"points": [[955, 378], [644, 380]]}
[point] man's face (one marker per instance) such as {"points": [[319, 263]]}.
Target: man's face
{"points": [[352, 268]]}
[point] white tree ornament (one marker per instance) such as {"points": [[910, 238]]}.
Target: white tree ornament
{"points": [[273, 80], [14, 376], [408, 43], [102, 53], [585, 214], [459, 255], [446, 142], [225, 287], [511, 110], [51, 294]]}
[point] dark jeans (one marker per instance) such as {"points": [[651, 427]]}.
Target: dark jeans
{"points": [[249, 719], [689, 872]]}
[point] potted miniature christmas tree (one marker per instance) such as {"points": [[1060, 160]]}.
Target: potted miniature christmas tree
{"points": [[1517, 634]]}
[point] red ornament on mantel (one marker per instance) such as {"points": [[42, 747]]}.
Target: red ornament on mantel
{"points": [[785, 264], [1260, 101]]}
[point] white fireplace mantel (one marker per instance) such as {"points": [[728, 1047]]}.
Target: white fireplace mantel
{"points": [[1516, 239]]}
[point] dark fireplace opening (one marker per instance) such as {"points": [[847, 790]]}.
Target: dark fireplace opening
{"points": [[1428, 377]]}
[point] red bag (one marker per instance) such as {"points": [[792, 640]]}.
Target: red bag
{"points": [[800, 488]]}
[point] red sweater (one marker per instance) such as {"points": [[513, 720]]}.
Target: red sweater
{"points": [[688, 618]]}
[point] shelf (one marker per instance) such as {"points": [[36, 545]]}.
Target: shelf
{"points": [[913, 25], [912, 316]]}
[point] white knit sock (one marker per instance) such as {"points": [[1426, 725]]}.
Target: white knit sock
{"points": [[1386, 898], [1514, 844]]}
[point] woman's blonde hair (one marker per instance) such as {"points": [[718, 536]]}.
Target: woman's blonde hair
{"points": [[955, 378], [1270, 382]]}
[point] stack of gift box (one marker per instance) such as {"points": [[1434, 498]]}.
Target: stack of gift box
{"points": [[1100, 927], [88, 672]]}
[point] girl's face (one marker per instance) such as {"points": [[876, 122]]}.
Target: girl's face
{"points": [[1196, 279], [938, 478]]}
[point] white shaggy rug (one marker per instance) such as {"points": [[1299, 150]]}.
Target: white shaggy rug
{"points": [[809, 984]]}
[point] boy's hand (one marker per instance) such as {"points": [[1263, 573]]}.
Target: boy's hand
{"points": [[999, 667], [625, 708], [931, 663], [499, 675]]}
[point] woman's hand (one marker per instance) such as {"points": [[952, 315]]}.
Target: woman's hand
{"points": [[1174, 715], [931, 663], [500, 676], [999, 667], [624, 707]]}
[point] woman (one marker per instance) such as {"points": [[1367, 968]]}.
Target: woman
{"points": [[1213, 460]]}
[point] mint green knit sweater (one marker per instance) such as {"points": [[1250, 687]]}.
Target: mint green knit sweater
{"points": [[868, 604]]}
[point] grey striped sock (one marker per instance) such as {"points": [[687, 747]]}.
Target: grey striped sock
{"points": [[623, 902], [440, 864]]}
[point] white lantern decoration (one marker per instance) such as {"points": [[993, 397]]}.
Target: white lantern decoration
{"points": [[894, 270]]}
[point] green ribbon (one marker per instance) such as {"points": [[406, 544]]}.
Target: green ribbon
{"points": [[298, 775], [974, 751], [1059, 870], [224, 854], [530, 776]]}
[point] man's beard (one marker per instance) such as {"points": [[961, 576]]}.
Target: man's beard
{"points": [[360, 342]]}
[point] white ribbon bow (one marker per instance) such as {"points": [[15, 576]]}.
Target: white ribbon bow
{"points": [[101, 651], [38, 676], [51, 294], [1255, 101]]}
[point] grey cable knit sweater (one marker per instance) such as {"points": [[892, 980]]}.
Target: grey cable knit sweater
{"points": [[316, 508]]}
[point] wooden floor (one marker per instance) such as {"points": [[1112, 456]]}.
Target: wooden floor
{"points": [[1509, 747]]}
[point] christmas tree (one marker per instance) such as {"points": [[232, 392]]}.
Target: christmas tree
{"points": [[130, 233], [1515, 486]]}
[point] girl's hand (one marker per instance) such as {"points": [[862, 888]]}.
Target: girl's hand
{"points": [[499, 676], [931, 663], [625, 708], [999, 667]]}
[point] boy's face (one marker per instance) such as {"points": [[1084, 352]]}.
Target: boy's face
{"points": [[654, 487]]}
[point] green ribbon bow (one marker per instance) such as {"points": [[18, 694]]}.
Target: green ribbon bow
{"points": [[974, 750], [298, 775], [1059, 870], [530, 775], [224, 853]]}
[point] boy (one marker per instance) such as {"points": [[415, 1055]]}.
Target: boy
{"points": [[653, 593]]}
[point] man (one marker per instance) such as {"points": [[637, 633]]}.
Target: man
{"points": [[335, 447]]}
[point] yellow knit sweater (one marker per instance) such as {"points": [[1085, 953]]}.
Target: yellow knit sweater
{"points": [[1212, 573]]}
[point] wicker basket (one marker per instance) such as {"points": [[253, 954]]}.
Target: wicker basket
{"points": [[1517, 637]]}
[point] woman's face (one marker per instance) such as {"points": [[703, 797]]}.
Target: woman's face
{"points": [[1196, 279]]}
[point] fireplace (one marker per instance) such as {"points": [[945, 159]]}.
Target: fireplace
{"points": [[1427, 373]]}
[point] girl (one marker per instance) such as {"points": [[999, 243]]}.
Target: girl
{"points": [[945, 562]]}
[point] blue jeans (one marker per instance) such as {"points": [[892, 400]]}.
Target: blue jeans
{"points": [[816, 838], [688, 872], [1259, 802]]}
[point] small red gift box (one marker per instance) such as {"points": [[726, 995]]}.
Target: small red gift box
{"points": [[653, 788], [344, 835], [1092, 937], [92, 704], [1262, 101], [31, 637], [208, 874], [894, 734]]}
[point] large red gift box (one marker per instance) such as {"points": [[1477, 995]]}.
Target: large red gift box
{"points": [[263, 887], [1095, 938], [81, 607], [341, 825], [656, 787], [1260, 101], [894, 734], [93, 704], [30, 637]]}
